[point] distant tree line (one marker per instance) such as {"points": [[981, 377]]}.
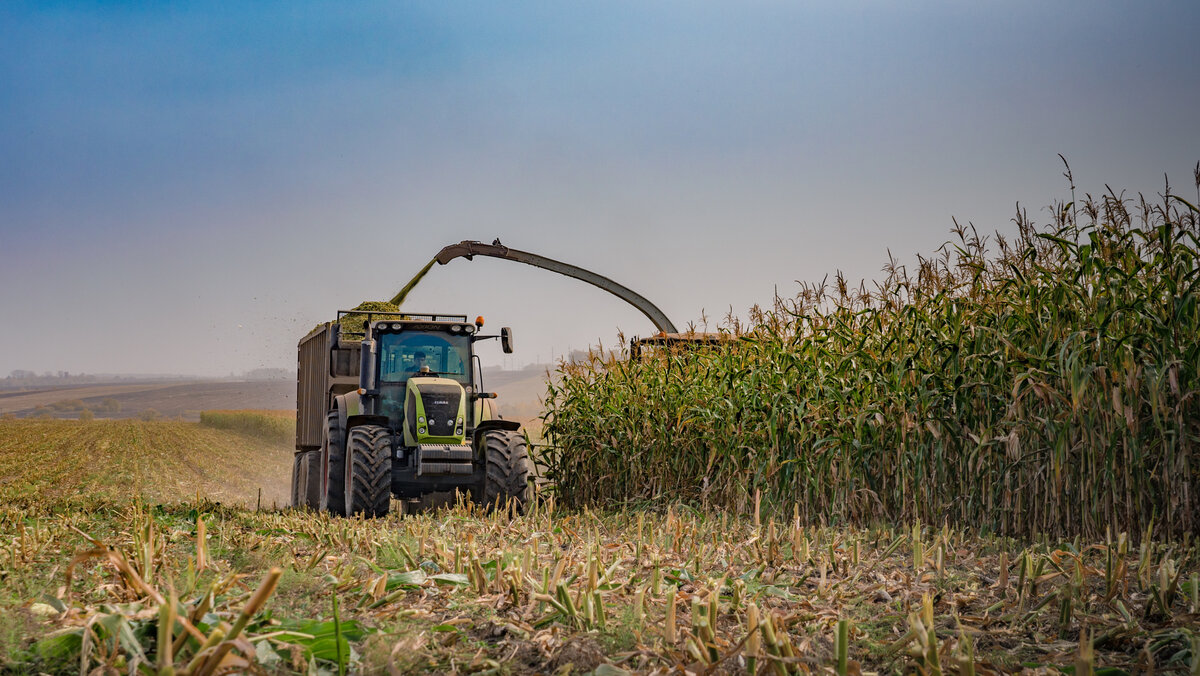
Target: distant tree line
{"points": [[23, 379]]}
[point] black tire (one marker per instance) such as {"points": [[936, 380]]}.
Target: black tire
{"points": [[306, 479], [312, 485], [299, 470], [507, 458], [368, 483], [333, 467]]}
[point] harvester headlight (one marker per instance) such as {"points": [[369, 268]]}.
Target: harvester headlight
{"points": [[421, 419], [455, 328], [420, 430], [460, 420], [468, 329]]}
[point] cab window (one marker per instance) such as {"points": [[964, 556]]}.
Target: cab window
{"points": [[407, 352]]}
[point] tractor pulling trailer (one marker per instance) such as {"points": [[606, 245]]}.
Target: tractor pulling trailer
{"points": [[393, 405], [400, 412]]}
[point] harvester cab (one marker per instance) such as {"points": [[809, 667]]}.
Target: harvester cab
{"points": [[410, 420]]}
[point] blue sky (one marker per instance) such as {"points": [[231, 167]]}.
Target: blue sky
{"points": [[195, 185]]}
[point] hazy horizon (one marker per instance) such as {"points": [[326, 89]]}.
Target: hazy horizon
{"points": [[190, 189]]}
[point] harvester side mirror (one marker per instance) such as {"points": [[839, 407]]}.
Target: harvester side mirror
{"points": [[506, 340]]}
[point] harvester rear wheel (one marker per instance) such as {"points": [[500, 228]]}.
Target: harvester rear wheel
{"points": [[507, 457], [299, 469], [312, 476], [368, 486], [333, 467], [306, 479]]}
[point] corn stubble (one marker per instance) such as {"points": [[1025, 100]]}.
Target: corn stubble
{"points": [[1042, 383], [58, 464], [201, 588]]}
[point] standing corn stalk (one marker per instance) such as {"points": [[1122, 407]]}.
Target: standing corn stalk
{"points": [[1042, 383]]}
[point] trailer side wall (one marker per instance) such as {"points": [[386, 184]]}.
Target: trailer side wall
{"points": [[312, 387], [325, 368]]}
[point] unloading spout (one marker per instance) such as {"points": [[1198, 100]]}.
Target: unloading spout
{"points": [[469, 249]]}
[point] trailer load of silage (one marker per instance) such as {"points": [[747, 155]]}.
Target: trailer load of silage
{"points": [[353, 322], [1042, 382]]}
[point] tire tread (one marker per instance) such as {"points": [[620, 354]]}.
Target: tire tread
{"points": [[369, 453], [333, 497], [507, 458]]}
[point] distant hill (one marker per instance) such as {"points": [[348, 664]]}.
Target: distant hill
{"points": [[521, 392]]}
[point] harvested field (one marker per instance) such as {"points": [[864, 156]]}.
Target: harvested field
{"points": [[58, 463], [22, 401], [662, 590], [178, 400]]}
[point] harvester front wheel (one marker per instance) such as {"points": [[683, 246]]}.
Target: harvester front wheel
{"points": [[333, 467], [368, 487], [507, 457]]}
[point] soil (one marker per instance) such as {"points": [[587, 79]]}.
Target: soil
{"points": [[581, 653]]}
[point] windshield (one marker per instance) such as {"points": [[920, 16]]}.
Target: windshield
{"points": [[403, 354]]}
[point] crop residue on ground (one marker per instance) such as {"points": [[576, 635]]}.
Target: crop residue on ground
{"points": [[649, 591]]}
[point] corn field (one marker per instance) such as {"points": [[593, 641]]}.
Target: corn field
{"points": [[1038, 383]]}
